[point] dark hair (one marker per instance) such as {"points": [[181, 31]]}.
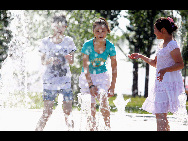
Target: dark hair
{"points": [[167, 23], [101, 21], [61, 19]]}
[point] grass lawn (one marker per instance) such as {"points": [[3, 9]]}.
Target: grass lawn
{"points": [[132, 107]]}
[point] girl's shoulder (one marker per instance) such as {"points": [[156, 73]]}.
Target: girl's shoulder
{"points": [[68, 38], [87, 47], [108, 43], [88, 42], [172, 45], [45, 40]]}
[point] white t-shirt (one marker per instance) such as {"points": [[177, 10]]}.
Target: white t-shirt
{"points": [[57, 76]]}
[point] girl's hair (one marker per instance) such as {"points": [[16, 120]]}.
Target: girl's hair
{"points": [[62, 19], [101, 21], [167, 23]]}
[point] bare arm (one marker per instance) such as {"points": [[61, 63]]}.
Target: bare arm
{"points": [[114, 76], [114, 72], [93, 90], [176, 56], [86, 69], [152, 62]]}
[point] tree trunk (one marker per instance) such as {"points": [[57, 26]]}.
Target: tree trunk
{"points": [[185, 74], [146, 81], [135, 79], [135, 75]]}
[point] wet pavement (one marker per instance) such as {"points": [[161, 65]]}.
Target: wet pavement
{"points": [[26, 120]]}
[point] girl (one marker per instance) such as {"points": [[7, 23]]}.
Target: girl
{"points": [[57, 52], [168, 86], [94, 79]]}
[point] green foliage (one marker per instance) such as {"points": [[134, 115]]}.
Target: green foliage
{"points": [[184, 31], [5, 34], [141, 30], [112, 15], [141, 37]]}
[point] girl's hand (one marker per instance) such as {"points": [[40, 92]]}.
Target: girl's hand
{"points": [[68, 57], [134, 56], [53, 60], [50, 60], [162, 73], [111, 91], [94, 91]]}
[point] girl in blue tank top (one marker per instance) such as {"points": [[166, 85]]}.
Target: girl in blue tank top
{"points": [[94, 79]]}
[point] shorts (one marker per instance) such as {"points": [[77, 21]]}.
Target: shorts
{"points": [[101, 81], [52, 94]]}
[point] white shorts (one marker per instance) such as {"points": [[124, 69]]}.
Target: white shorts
{"points": [[101, 81]]}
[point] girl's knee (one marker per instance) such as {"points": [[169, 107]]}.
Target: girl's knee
{"points": [[67, 107], [105, 110], [47, 114]]}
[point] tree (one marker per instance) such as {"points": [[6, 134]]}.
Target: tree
{"points": [[111, 15], [184, 36], [5, 35], [141, 37], [150, 17]]}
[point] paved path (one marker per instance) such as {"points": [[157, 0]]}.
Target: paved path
{"points": [[26, 120]]}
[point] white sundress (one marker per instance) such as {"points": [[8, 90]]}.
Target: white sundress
{"points": [[168, 95]]}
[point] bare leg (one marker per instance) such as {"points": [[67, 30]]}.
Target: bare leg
{"points": [[92, 119], [104, 108], [67, 108], [162, 122], [48, 108]]}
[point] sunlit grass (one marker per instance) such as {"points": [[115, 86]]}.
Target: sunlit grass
{"points": [[36, 102]]}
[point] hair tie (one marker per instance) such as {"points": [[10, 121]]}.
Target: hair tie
{"points": [[171, 20]]}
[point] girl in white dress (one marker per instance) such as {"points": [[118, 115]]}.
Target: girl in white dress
{"points": [[168, 87]]}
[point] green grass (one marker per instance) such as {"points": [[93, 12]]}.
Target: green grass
{"points": [[134, 106]]}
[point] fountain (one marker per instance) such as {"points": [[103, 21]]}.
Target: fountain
{"points": [[120, 115], [14, 72], [85, 104], [120, 103], [84, 101], [14, 79]]}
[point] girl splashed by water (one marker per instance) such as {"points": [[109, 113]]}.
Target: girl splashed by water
{"points": [[168, 90], [57, 52], [94, 79]]}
